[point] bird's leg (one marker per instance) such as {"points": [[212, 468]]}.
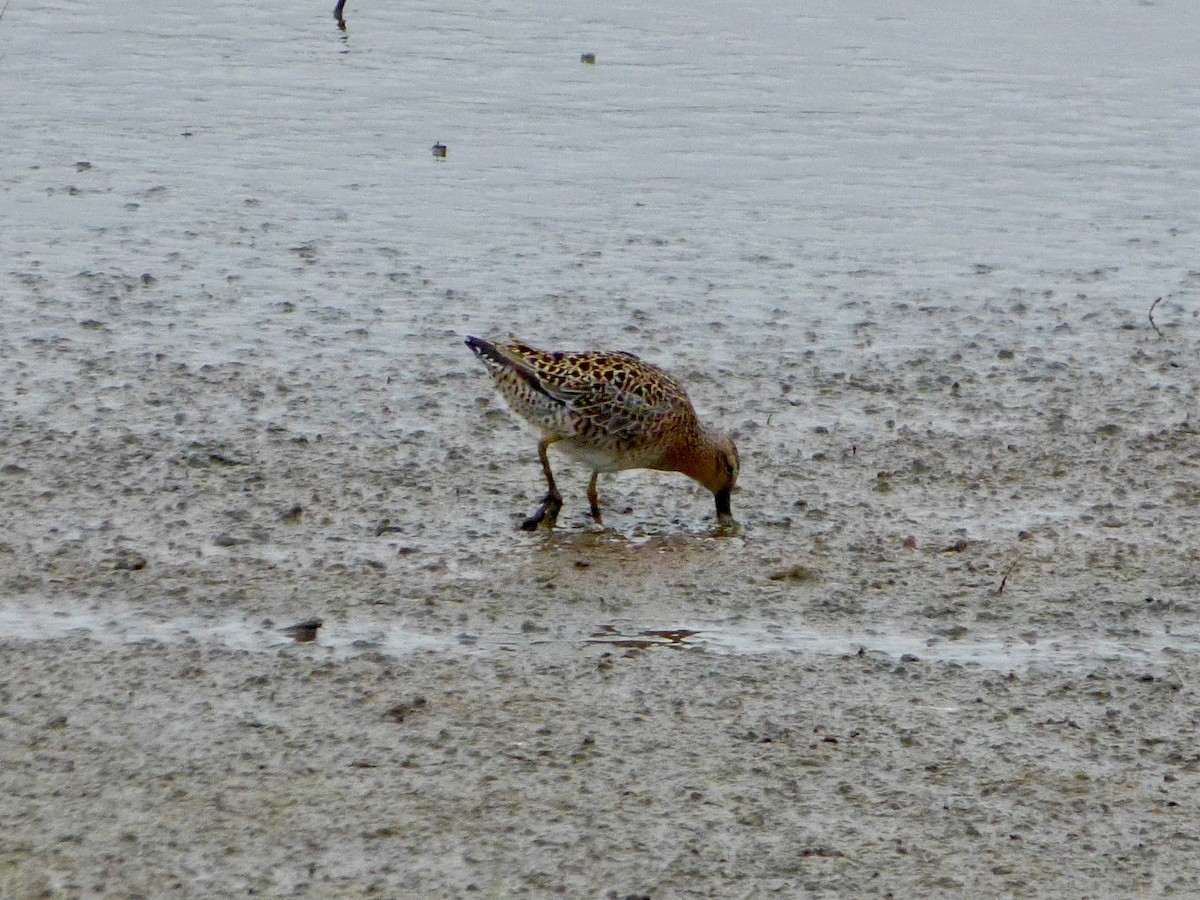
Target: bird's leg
{"points": [[548, 511], [594, 498]]}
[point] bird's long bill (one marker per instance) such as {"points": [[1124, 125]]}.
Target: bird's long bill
{"points": [[724, 513]]}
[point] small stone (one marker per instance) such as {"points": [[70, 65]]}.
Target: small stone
{"points": [[129, 561]]}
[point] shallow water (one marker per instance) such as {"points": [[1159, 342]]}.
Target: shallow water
{"points": [[362, 635], [709, 170], [126, 626]]}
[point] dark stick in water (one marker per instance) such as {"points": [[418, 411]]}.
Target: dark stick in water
{"points": [[1153, 324]]}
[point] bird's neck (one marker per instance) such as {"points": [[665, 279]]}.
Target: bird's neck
{"points": [[696, 457]]}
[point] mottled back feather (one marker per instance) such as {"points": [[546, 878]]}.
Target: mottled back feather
{"points": [[612, 398]]}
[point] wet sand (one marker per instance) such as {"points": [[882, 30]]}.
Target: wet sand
{"points": [[952, 648]]}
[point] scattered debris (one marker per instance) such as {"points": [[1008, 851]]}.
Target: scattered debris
{"points": [[402, 711], [306, 251], [303, 632], [128, 560], [796, 573], [1007, 572], [1153, 324], [644, 640]]}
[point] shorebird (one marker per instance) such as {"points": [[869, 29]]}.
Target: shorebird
{"points": [[611, 411]]}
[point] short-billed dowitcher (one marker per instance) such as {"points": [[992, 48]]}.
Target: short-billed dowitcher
{"points": [[611, 411]]}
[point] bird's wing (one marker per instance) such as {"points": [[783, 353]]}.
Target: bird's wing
{"points": [[616, 411]]}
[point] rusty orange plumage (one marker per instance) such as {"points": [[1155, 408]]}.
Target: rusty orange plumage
{"points": [[611, 411]]}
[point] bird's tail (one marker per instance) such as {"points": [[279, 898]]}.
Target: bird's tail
{"points": [[500, 363]]}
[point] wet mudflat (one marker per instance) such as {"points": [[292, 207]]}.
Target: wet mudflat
{"points": [[952, 648]]}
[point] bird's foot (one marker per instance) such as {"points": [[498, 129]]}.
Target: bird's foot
{"points": [[596, 515], [547, 513], [727, 526]]}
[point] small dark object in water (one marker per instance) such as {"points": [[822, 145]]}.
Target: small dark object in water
{"points": [[588, 58], [337, 14], [1153, 324], [303, 632], [439, 150]]}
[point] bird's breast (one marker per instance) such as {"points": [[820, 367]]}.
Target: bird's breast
{"points": [[602, 458]]}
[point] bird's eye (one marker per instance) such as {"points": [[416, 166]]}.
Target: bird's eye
{"points": [[729, 470]]}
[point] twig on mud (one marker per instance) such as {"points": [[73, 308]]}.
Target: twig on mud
{"points": [[1007, 572], [1153, 324]]}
